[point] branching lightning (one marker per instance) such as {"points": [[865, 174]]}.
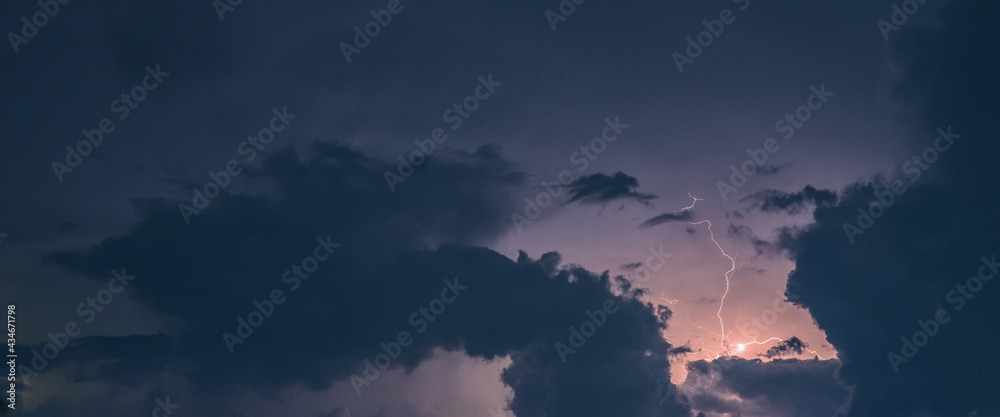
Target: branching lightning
{"points": [[728, 275], [724, 340], [669, 301]]}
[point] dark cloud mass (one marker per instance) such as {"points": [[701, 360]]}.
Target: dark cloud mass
{"points": [[785, 347], [751, 388], [683, 216], [928, 246], [358, 299], [774, 201], [601, 188]]}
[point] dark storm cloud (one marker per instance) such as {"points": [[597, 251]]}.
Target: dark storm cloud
{"points": [[760, 246], [780, 388], [774, 201], [210, 272], [908, 263], [667, 218], [225, 73], [627, 354], [684, 216], [785, 347], [127, 361], [601, 188]]}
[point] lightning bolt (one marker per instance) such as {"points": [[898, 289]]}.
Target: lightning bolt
{"points": [[694, 201], [669, 301], [814, 353], [728, 275], [724, 340]]}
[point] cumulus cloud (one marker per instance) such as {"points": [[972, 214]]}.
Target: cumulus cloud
{"points": [[730, 386], [908, 263], [386, 268]]}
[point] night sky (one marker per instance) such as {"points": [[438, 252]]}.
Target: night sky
{"points": [[559, 208]]}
